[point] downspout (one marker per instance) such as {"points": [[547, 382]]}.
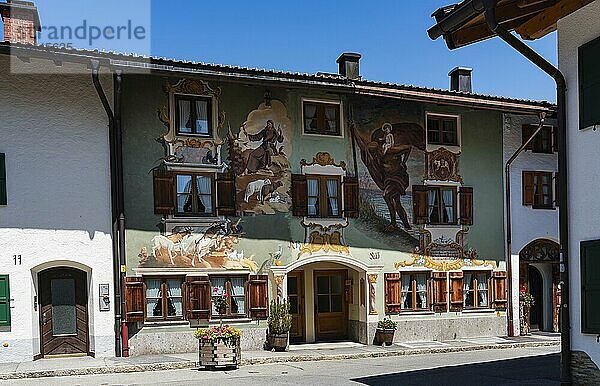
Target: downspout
{"points": [[563, 219], [509, 269], [114, 203]]}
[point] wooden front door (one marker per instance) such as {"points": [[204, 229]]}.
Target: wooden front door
{"points": [[331, 318], [63, 302], [295, 291]]}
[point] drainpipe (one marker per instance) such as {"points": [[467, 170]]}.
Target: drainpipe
{"points": [[563, 219], [509, 269], [114, 203]]}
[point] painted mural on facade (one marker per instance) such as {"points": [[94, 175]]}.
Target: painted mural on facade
{"points": [[258, 155]]}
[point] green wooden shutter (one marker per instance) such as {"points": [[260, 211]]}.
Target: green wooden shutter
{"points": [[589, 84], [3, 194], [590, 287], [4, 301]]}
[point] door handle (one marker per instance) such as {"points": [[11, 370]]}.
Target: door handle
{"points": [[44, 319]]}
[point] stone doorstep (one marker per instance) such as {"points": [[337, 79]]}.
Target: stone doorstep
{"points": [[393, 351]]}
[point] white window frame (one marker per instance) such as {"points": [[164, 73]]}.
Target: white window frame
{"points": [[323, 101]]}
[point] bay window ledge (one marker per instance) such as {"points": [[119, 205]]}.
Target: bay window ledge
{"points": [[230, 321], [479, 311]]}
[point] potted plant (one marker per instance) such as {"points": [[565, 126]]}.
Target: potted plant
{"points": [[526, 301], [385, 332], [280, 323], [219, 346]]}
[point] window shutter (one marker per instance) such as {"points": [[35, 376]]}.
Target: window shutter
{"points": [[555, 139], [556, 185], [258, 298], [393, 293], [226, 194], [419, 197], [299, 195], [589, 84], [590, 287], [440, 298], [135, 299], [526, 133], [351, 205], [3, 195], [456, 291], [4, 301], [466, 205], [499, 285], [164, 192], [198, 298], [527, 188]]}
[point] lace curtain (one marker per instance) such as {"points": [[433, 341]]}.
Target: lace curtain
{"points": [[331, 115], [422, 290], [174, 297], [466, 286], [203, 184], [219, 284], [431, 202], [332, 192], [237, 295], [185, 118], [153, 298], [448, 202], [405, 287], [482, 290], [313, 196], [202, 117], [310, 115]]}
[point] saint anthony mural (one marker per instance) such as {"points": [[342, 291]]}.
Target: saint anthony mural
{"points": [[386, 153], [258, 155]]}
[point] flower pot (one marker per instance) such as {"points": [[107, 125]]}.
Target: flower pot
{"points": [[279, 342], [384, 336], [220, 353]]}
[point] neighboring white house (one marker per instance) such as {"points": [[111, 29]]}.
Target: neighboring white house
{"points": [[534, 218]]}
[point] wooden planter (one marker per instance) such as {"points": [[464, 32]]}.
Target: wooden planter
{"points": [[223, 353], [279, 342], [384, 336]]}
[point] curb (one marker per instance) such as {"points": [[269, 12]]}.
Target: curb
{"points": [[116, 369]]}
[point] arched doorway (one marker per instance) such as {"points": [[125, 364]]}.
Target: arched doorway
{"points": [[536, 289], [63, 303]]}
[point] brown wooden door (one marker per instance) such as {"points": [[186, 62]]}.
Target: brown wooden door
{"points": [[295, 291], [63, 311], [331, 309]]}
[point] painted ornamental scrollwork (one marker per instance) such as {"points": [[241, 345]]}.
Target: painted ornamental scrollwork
{"points": [[324, 239], [541, 250], [442, 165], [323, 158]]}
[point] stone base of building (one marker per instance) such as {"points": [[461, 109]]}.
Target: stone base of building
{"points": [[583, 369]]}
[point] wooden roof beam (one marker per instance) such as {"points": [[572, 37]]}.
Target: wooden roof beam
{"points": [[545, 22]]}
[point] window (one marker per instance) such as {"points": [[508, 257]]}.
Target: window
{"points": [[323, 196], [414, 291], [321, 118], [193, 115], [234, 287], [4, 301], [442, 130], [537, 189], [545, 141], [441, 205], [590, 286], [476, 289], [194, 194], [589, 84], [164, 299]]}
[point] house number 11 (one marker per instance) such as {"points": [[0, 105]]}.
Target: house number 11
{"points": [[17, 259]]}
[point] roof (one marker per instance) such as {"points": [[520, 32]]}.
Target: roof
{"points": [[464, 23], [160, 65]]}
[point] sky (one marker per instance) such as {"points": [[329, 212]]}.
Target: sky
{"points": [[308, 36]]}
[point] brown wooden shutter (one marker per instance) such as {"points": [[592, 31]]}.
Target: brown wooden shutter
{"points": [[440, 298], [351, 205], [499, 285], [226, 194], [466, 205], [299, 195], [526, 132], [135, 299], [198, 298], [257, 296], [164, 192], [555, 139], [527, 188], [393, 293], [419, 197], [556, 191], [456, 291]]}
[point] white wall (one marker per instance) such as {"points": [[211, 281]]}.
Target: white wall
{"points": [[528, 224], [54, 133], [584, 164]]}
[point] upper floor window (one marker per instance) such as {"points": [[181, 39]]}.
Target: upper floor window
{"points": [[193, 115], [195, 194], [476, 290], [164, 298], [442, 130], [545, 141], [234, 287], [321, 118], [537, 189], [323, 196]]}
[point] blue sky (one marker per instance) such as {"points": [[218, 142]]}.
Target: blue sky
{"points": [[309, 35]]}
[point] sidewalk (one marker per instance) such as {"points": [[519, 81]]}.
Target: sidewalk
{"points": [[306, 352]]}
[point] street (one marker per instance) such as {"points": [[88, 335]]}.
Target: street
{"points": [[525, 366]]}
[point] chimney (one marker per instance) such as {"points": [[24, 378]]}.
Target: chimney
{"points": [[349, 67], [460, 79], [21, 21]]}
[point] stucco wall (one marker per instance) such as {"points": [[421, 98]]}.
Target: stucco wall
{"points": [[55, 136], [584, 164]]}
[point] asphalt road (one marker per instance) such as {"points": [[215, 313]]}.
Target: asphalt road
{"points": [[528, 366]]}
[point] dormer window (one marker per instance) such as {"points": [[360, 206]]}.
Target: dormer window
{"points": [[193, 115]]}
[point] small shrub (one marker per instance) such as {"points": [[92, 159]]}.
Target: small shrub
{"points": [[280, 319], [387, 324]]}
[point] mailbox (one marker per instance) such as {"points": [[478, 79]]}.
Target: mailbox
{"points": [[104, 297]]}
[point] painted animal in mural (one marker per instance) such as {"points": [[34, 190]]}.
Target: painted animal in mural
{"points": [[256, 187], [385, 154]]}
